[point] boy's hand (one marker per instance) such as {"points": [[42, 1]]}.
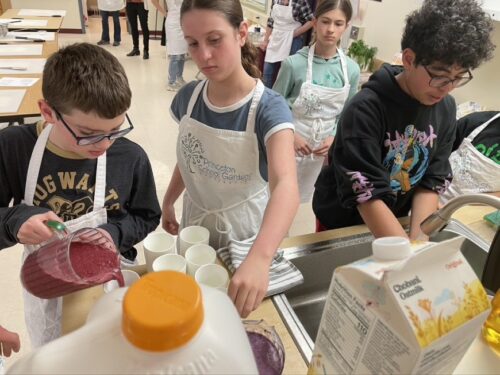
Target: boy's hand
{"points": [[168, 220], [301, 146], [325, 146], [249, 284], [10, 341], [34, 230]]}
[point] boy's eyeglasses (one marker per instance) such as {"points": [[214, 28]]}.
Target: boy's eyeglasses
{"points": [[440, 81], [91, 139]]}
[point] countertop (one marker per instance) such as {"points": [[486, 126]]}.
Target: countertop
{"points": [[479, 358]]}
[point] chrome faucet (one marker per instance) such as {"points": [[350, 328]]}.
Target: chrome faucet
{"points": [[436, 221]]}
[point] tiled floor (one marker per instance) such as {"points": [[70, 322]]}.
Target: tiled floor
{"points": [[154, 130]]}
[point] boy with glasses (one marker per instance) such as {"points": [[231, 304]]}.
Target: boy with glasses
{"points": [[75, 167], [395, 136]]}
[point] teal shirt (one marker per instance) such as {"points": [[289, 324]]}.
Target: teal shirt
{"points": [[327, 73]]}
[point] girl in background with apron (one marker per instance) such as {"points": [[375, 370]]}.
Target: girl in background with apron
{"points": [[475, 171], [285, 37], [235, 149], [176, 45], [317, 81]]}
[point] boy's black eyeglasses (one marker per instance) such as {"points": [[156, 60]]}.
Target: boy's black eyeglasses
{"points": [[440, 81], [91, 139]]}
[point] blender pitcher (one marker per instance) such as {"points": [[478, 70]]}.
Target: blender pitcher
{"points": [[69, 263]]}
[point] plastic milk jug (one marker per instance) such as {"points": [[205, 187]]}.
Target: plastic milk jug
{"points": [[404, 310], [166, 324]]}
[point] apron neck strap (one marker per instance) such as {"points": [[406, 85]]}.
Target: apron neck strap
{"points": [[480, 128], [194, 97], [252, 113], [36, 162], [310, 58]]}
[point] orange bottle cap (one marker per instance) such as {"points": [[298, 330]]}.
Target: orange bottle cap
{"points": [[162, 311]]}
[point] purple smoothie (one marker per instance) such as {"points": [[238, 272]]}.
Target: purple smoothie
{"points": [[268, 358]]}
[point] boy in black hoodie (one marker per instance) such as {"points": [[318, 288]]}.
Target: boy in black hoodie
{"points": [[395, 136]]}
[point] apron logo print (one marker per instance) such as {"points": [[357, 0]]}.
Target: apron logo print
{"points": [[192, 150], [68, 210], [311, 102]]}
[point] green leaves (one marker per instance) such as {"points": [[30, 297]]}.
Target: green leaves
{"points": [[363, 54]]}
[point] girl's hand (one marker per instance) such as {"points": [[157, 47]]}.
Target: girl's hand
{"points": [[168, 220], [301, 146], [249, 284], [34, 230], [325, 146]]}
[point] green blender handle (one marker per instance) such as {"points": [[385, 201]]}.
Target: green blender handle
{"points": [[58, 227]]}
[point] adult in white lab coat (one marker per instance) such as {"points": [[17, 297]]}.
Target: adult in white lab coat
{"points": [[110, 8], [289, 20], [176, 44]]}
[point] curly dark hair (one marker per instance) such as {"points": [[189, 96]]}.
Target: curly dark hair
{"points": [[450, 32]]}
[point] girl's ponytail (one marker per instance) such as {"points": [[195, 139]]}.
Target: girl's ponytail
{"points": [[249, 55]]}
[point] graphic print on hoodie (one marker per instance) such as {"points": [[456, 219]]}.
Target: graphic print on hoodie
{"points": [[387, 145]]}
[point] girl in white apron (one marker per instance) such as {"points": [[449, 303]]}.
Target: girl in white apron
{"points": [[279, 40], [219, 160], [317, 81], [473, 172]]}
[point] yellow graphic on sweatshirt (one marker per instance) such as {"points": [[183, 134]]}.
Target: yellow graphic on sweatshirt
{"points": [[437, 324]]}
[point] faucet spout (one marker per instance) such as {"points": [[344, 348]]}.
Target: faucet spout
{"points": [[436, 221]]}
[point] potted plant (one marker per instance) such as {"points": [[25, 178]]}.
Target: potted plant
{"points": [[363, 54]]}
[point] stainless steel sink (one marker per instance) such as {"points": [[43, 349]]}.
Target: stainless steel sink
{"points": [[302, 306]]}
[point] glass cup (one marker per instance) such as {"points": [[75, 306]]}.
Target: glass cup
{"points": [[76, 261], [266, 346]]}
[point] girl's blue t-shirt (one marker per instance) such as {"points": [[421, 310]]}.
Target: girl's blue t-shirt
{"points": [[273, 115]]}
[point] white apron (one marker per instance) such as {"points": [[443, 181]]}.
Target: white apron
{"points": [[280, 41], [176, 45], [473, 172], [43, 316], [314, 115], [220, 169]]}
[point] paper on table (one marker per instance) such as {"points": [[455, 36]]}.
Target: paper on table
{"points": [[45, 35], [17, 82], [10, 100], [42, 12], [16, 23], [31, 66], [21, 50]]}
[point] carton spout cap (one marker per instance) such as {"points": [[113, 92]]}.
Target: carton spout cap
{"points": [[391, 248]]}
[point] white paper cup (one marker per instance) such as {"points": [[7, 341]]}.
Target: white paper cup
{"points": [[192, 235], [170, 262], [213, 275], [129, 277], [199, 255], [155, 245]]}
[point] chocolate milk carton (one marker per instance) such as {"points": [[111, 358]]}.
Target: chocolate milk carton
{"points": [[404, 310]]}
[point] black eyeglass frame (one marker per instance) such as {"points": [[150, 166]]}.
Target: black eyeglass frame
{"points": [[85, 141], [465, 80]]}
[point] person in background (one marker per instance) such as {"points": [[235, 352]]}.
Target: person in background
{"points": [[176, 45], [138, 8], [316, 82], [110, 8], [9, 342], [289, 20], [235, 155], [70, 167], [395, 136], [475, 160]]}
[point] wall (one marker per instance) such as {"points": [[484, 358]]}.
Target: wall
{"points": [[384, 22]]}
